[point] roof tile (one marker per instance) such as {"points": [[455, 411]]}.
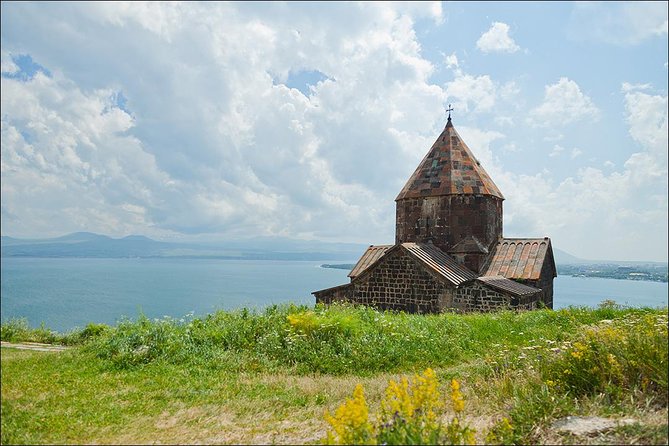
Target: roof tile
{"points": [[440, 262], [370, 256], [509, 286], [519, 258], [454, 166]]}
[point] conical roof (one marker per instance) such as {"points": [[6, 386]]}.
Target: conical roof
{"points": [[449, 168]]}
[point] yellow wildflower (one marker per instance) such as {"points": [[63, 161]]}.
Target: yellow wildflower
{"points": [[351, 420], [456, 396], [426, 395], [397, 401]]}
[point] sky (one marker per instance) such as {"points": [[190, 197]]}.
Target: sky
{"points": [[219, 121]]}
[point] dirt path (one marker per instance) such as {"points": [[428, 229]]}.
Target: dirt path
{"points": [[34, 346]]}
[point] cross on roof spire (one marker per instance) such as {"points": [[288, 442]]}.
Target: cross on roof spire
{"points": [[449, 110]]}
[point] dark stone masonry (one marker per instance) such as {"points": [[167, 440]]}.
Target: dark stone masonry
{"points": [[399, 283], [449, 252]]}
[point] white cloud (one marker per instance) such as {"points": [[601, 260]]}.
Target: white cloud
{"points": [[588, 211], [467, 92], [451, 61], [553, 137], [68, 163], [575, 153], [504, 121], [497, 40], [634, 87], [563, 103], [619, 23], [509, 91], [7, 65], [213, 141], [557, 149], [511, 148]]}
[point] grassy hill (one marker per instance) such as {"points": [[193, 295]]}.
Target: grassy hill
{"points": [[244, 377]]}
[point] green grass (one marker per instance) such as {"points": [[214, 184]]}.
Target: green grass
{"points": [[245, 377]]}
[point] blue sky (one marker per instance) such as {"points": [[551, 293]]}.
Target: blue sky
{"points": [[215, 121]]}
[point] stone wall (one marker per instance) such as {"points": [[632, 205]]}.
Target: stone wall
{"points": [[341, 293], [400, 283], [476, 296], [447, 219], [545, 282], [472, 261]]}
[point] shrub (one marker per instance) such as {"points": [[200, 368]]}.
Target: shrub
{"points": [[615, 358], [409, 415], [14, 330], [18, 330], [142, 341]]}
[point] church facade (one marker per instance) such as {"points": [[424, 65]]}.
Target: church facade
{"points": [[449, 251]]}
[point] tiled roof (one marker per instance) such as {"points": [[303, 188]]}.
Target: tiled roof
{"points": [[516, 258], [449, 168], [440, 262], [370, 256], [509, 286]]}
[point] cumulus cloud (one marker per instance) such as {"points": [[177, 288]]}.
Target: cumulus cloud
{"points": [[475, 93], [179, 119], [479, 94], [210, 139], [618, 23], [563, 104], [497, 40], [630, 201], [67, 160], [452, 61]]}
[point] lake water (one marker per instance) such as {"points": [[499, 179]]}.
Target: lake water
{"points": [[65, 293]]}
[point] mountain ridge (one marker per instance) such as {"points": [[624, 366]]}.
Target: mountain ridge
{"points": [[89, 244]]}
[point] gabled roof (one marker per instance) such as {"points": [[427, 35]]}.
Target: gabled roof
{"points": [[520, 258], [440, 262], [449, 168], [370, 256], [429, 255], [508, 286], [467, 245]]}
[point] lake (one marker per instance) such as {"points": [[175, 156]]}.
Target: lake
{"points": [[70, 292]]}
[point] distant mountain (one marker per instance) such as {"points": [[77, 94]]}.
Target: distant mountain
{"points": [[564, 258], [77, 237], [86, 244]]}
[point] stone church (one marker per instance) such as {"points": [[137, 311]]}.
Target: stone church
{"points": [[449, 252]]}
